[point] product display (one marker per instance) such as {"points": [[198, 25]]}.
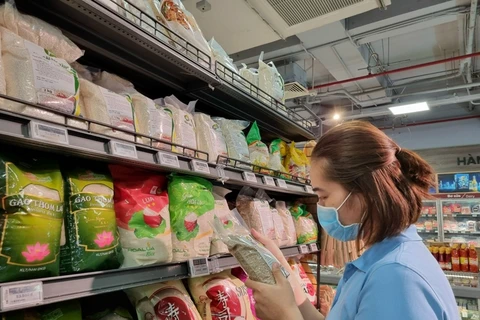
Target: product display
{"points": [[143, 219], [288, 223], [191, 214], [270, 80], [31, 217], [295, 161], [307, 286], [235, 138], [223, 213], [221, 296], [209, 137], [305, 227], [258, 150], [90, 228], [68, 310]]}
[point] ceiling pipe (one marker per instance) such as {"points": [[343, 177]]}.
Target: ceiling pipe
{"points": [[467, 63], [430, 122], [414, 67]]}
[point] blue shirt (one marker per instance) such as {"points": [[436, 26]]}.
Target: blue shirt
{"points": [[396, 279]]}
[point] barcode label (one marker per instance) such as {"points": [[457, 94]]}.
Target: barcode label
{"points": [[123, 149], [250, 177], [282, 184], [22, 295], [268, 181], [198, 267], [313, 247], [166, 159], [200, 166], [308, 189], [48, 132], [303, 249]]}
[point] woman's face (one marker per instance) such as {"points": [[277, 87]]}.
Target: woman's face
{"points": [[332, 194]]}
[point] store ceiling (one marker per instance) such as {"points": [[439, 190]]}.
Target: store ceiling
{"points": [[341, 44]]}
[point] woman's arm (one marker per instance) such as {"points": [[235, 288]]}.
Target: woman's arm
{"points": [[309, 312]]}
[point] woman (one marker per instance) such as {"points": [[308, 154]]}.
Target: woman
{"points": [[372, 190]]}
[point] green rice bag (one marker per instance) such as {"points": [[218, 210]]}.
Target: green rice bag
{"points": [[31, 214], [68, 310], [258, 150], [90, 224], [191, 214]]}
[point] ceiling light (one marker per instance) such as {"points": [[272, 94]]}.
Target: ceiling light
{"points": [[336, 116], [409, 108]]}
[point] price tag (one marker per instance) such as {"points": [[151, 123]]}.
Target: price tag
{"points": [[309, 189], [214, 266], [48, 132], [198, 267], [454, 215], [200, 166], [303, 249], [474, 215], [268, 181], [463, 232], [123, 149], [313, 247], [21, 295], [167, 159], [281, 183], [249, 176]]}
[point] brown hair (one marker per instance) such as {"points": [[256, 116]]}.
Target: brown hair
{"points": [[391, 181]]}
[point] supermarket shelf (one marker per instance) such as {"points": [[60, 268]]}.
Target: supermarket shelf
{"points": [[121, 44], [462, 232], [14, 129], [332, 279], [427, 231], [76, 286], [473, 215], [429, 216]]}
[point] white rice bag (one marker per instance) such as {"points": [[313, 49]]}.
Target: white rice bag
{"points": [[281, 237], [38, 32], [108, 107], [209, 137], [270, 80], [35, 75], [287, 221], [152, 120], [255, 211], [223, 213], [251, 75], [184, 125], [113, 83], [235, 138]]}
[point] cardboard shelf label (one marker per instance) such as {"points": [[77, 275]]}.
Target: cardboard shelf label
{"points": [[198, 267], [169, 160], [308, 189], [200, 166], [48, 132], [123, 149], [313, 247], [281, 184], [303, 249], [16, 296], [268, 181], [249, 177]]}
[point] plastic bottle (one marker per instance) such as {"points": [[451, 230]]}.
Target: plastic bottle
{"points": [[455, 258], [464, 258], [441, 258], [435, 253], [474, 184], [448, 258], [473, 259]]}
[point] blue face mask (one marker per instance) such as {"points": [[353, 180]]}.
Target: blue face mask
{"points": [[328, 218]]}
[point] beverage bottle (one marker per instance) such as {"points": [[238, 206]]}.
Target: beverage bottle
{"points": [[448, 258], [435, 253], [464, 258], [473, 259], [455, 258], [441, 258]]}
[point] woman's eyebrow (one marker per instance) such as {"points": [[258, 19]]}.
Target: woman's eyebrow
{"points": [[316, 189]]}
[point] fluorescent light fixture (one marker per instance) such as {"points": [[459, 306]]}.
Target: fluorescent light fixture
{"points": [[336, 116], [409, 108]]}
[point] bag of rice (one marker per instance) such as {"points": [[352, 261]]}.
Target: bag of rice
{"points": [[113, 82], [304, 281], [252, 256], [223, 213], [221, 56], [295, 161], [235, 140], [221, 296], [251, 75], [275, 162], [143, 220], [38, 32], [34, 74], [90, 227], [31, 217], [305, 227], [153, 121], [108, 107], [288, 223], [209, 137], [184, 125], [67, 310], [255, 211], [270, 80], [240, 274], [163, 301], [258, 150], [281, 237], [191, 214], [172, 13]]}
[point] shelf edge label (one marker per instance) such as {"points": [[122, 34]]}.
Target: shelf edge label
{"points": [[198, 267], [249, 176], [200, 166], [309, 189], [313, 247], [123, 149], [268, 181], [303, 249], [282, 184], [48, 132], [169, 160], [21, 295]]}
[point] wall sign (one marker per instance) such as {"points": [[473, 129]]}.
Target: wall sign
{"points": [[467, 161]]}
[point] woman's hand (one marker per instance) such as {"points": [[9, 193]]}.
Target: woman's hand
{"points": [[300, 296], [275, 302]]}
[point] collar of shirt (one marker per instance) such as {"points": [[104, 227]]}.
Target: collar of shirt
{"points": [[379, 251]]}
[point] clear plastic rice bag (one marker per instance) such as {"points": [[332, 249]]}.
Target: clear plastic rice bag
{"points": [[235, 138]]}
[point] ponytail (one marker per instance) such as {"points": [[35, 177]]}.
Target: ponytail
{"points": [[417, 171]]}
